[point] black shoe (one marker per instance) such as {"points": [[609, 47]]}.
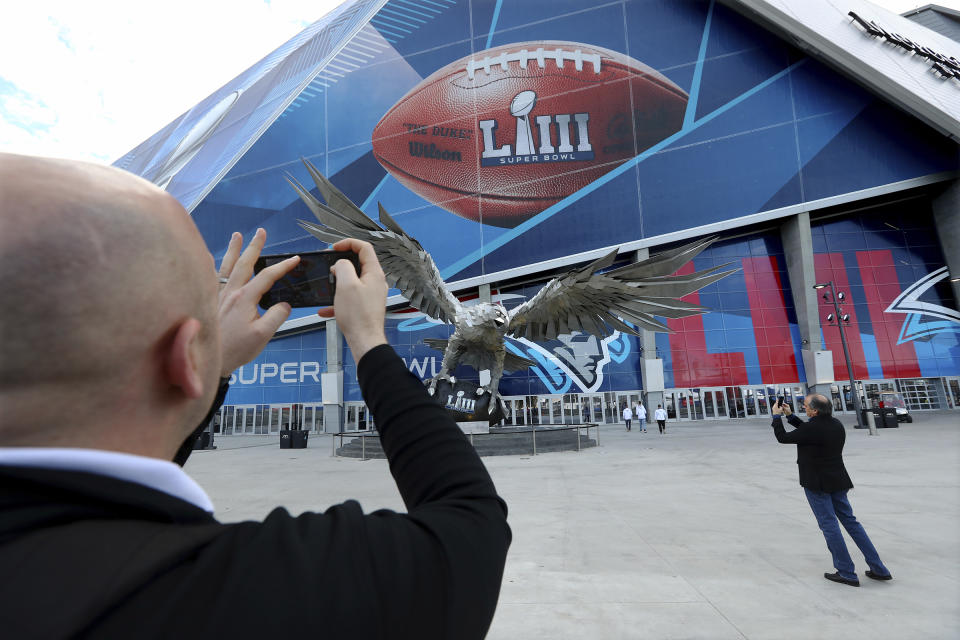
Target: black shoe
{"points": [[836, 577], [871, 574]]}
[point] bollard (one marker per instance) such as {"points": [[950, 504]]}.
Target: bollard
{"points": [[871, 423]]}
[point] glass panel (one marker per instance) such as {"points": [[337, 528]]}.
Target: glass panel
{"points": [[307, 424], [735, 402], [697, 408], [532, 411], [721, 410], [610, 407], [285, 418], [362, 418], [597, 409], [954, 386], [570, 408], [872, 393], [586, 409], [274, 419], [318, 418], [351, 424], [682, 406], [798, 397], [544, 404], [762, 402], [920, 393], [708, 404], [260, 424], [228, 421], [670, 406], [556, 415], [749, 402], [248, 421], [847, 398]]}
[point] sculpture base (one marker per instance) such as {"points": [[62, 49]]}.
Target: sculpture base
{"points": [[474, 426], [464, 404]]}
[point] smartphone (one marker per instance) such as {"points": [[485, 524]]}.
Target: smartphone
{"points": [[309, 283], [779, 401]]}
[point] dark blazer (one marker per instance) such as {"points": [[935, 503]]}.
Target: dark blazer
{"points": [[84, 555], [819, 451]]}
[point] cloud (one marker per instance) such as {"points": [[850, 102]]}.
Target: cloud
{"points": [[91, 80]]}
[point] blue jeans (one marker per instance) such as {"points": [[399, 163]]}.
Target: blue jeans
{"points": [[643, 423], [828, 509]]}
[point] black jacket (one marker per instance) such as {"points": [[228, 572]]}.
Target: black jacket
{"points": [[819, 451], [83, 555]]}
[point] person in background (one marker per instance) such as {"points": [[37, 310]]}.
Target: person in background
{"points": [[825, 482], [641, 414], [627, 415], [118, 332], [661, 417]]}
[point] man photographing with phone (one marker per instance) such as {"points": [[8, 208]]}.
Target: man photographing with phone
{"points": [[825, 481], [116, 334]]}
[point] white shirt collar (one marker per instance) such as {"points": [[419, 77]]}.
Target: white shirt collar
{"points": [[151, 472]]}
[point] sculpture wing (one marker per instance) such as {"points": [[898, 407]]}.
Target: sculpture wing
{"points": [[584, 300], [407, 265]]}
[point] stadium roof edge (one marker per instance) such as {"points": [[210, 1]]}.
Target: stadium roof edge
{"points": [[164, 156], [932, 7], [825, 30]]}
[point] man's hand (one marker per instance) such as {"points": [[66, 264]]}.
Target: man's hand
{"points": [[776, 409], [243, 331], [787, 411], [360, 302]]}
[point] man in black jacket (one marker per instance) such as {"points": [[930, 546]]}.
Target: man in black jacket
{"points": [[826, 482], [116, 329]]}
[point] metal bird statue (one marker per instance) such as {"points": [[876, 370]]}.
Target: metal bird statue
{"points": [[580, 300]]}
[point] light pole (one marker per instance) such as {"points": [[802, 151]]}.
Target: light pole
{"points": [[842, 318]]}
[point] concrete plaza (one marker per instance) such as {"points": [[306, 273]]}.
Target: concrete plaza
{"points": [[703, 532]]}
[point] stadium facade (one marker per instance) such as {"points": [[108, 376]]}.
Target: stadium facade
{"points": [[817, 139]]}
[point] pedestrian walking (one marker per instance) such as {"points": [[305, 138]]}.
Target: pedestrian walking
{"points": [[661, 417], [640, 413], [627, 416]]}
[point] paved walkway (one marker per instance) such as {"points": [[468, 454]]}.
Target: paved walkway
{"points": [[700, 533]]}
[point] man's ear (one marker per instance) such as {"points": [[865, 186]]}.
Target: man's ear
{"points": [[182, 359]]}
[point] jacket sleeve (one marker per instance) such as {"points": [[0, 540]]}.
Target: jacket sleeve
{"points": [[433, 572], [798, 435], [443, 561]]}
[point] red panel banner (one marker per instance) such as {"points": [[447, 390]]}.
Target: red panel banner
{"points": [[778, 361], [881, 286]]}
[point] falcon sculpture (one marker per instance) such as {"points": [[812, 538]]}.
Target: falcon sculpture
{"points": [[580, 300]]}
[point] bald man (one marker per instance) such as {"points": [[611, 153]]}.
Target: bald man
{"points": [[116, 334], [825, 481]]}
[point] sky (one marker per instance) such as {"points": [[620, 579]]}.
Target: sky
{"points": [[91, 80]]}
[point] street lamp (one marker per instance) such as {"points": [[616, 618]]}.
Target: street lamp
{"points": [[841, 319]]}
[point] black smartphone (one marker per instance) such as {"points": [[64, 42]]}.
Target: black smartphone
{"points": [[309, 283], [779, 401]]}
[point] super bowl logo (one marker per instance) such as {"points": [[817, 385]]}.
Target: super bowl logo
{"points": [[500, 135], [525, 149]]}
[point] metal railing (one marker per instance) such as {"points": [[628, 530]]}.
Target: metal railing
{"points": [[363, 435]]}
